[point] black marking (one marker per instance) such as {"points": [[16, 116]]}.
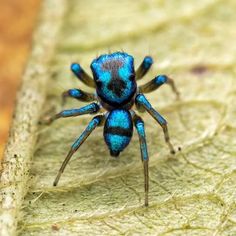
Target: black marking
{"points": [[118, 131], [116, 85], [132, 77], [119, 104]]}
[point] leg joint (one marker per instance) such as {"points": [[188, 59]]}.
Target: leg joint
{"points": [[163, 123], [139, 124], [140, 99]]}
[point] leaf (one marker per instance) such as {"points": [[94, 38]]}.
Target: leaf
{"points": [[192, 193]]}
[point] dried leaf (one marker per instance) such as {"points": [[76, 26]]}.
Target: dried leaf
{"points": [[192, 193]]}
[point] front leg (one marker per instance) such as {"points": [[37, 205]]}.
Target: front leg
{"points": [[158, 82], [88, 109], [142, 101], [82, 75], [144, 67]]}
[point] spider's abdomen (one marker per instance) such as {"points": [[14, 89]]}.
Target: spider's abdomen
{"points": [[118, 130], [115, 78]]}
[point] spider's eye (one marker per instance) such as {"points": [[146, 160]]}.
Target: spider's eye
{"points": [[132, 77], [98, 82]]}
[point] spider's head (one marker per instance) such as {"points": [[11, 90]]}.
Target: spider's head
{"points": [[114, 76], [115, 68]]}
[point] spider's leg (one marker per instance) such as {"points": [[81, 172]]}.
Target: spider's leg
{"points": [[96, 121], [142, 101], [79, 95], [144, 67], [88, 109], [82, 75], [156, 83], [139, 124]]}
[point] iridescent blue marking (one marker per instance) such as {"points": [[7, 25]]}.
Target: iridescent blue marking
{"points": [[118, 130], [117, 143], [114, 76], [91, 126], [91, 108], [119, 118], [75, 93], [76, 68], [160, 79], [147, 62], [141, 99], [143, 146]]}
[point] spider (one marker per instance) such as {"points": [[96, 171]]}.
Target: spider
{"points": [[114, 79]]}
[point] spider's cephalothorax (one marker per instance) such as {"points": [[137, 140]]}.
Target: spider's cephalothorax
{"points": [[114, 79]]}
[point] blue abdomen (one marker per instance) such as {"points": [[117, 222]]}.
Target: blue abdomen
{"points": [[118, 130]]}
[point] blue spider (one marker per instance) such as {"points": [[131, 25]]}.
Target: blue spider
{"points": [[114, 79]]}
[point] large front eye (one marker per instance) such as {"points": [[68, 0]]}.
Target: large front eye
{"points": [[132, 77], [98, 82]]}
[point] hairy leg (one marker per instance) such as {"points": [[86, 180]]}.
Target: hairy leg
{"points": [[96, 121], [82, 75], [88, 109], [142, 101], [144, 67], [139, 124], [79, 95], [158, 82]]}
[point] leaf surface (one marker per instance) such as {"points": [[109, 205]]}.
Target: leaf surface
{"points": [[192, 193]]}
